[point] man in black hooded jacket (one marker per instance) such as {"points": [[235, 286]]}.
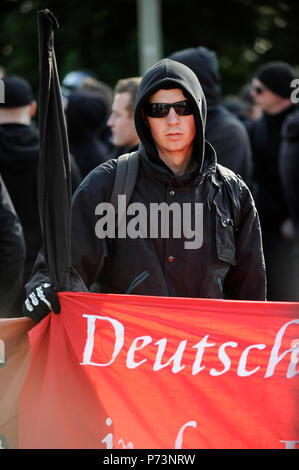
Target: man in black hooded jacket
{"points": [[176, 165]]}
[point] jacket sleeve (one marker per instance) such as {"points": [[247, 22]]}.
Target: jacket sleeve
{"points": [[246, 280], [12, 256], [87, 248]]}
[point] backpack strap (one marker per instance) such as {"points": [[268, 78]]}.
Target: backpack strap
{"points": [[124, 183], [125, 178]]}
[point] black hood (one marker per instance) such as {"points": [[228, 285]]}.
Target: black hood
{"points": [[86, 115], [167, 73], [204, 64], [19, 145]]}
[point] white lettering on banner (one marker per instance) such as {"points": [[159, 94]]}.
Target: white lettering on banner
{"points": [[290, 444], [224, 358], [119, 334], [176, 360], [275, 359], [179, 440], [242, 372], [108, 439], [131, 364], [200, 346]]}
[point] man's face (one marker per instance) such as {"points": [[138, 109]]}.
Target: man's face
{"points": [[121, 124], [264, 97], [173, 134]]}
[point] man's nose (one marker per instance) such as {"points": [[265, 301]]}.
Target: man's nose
{"points": [[110, 121], [172, 117]]}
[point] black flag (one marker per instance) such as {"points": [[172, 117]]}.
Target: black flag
{"points": [[54, 169]]}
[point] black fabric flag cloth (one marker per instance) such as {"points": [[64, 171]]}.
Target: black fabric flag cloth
{"points": [[54, 168]]}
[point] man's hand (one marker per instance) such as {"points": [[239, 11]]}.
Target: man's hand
{"points": [[40, 302]]}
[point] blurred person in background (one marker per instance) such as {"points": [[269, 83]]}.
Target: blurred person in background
{"points": [[19, 155], [72, 81], [19, 161], [104, 92], [289, 172], [243, 105], [12, 257], [121, 121], [224, 131], [271, 90], [87, 111]]}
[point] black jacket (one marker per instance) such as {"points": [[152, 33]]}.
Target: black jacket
{"points": [[12, 257], [266, 137], [289, 165], [229, 264], [19, 154], [289, 172], [19, 160]]}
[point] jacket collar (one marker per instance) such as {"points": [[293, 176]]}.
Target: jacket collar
{"points": [[160, 171]]}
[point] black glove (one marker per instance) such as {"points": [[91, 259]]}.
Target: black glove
{"points": [[40, 302]]}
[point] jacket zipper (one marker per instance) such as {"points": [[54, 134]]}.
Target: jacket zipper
{"points": [[137, 281]]}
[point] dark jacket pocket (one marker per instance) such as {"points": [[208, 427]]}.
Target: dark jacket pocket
{"points": [[225, 238]]}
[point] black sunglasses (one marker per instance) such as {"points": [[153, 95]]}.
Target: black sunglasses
{"points": [[159, 110], [258, 89]]}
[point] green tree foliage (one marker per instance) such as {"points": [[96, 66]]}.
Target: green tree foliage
{"points": [[103, 35]]}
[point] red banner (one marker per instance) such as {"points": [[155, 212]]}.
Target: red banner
{"points": [[118, 371], [14, 364]]}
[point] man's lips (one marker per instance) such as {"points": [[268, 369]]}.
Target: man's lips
{"points": [[174, 135]]}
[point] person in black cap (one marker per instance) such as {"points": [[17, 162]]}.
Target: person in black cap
{"points": [[271, 89]]}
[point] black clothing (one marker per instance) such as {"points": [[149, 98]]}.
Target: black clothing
{"points": [[289, 171], [118, 151], [289, 165], [265, 135], [86, 116], [12, 257], [19, 160], [19, 154], [224, 131], [229, 138], [229, 263]]}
